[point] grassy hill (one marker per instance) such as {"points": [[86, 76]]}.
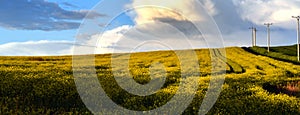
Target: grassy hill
{"points": [[254, 84], [287, 50], [283, 53]]}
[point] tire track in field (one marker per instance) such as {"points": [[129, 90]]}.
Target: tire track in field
{"points": [[274, 64], [288, 72], [257, 61], [234, 67], [222, 59]]}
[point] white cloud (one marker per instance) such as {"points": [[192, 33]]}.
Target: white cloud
{"points": [[170, 9], [276, 11], [108, 40], [159, 28], [36, 48], [146, 37], [209, 5]]}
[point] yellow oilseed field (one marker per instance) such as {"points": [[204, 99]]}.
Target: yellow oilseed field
{"points": [[254, 84]]}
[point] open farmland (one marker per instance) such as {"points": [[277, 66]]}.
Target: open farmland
{"points": [[254, 84], [283, 53]]}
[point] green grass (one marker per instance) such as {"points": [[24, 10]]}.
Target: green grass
{"points": [[287, 50], [283, 53], [45, 85]]}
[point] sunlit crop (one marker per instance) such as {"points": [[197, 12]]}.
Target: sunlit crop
{"points": [[45, 85]]}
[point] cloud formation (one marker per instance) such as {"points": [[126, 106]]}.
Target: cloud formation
{"points": [[146, 37], [167, 27], [40, 15], [276, 11], [170, 9], [233, 17], [37, 48]]}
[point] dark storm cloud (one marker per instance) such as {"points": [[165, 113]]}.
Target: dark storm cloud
{"points": [[40, 15]]}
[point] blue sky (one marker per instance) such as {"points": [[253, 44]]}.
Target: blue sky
{"points": [[27, 25], [9, 34]]}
